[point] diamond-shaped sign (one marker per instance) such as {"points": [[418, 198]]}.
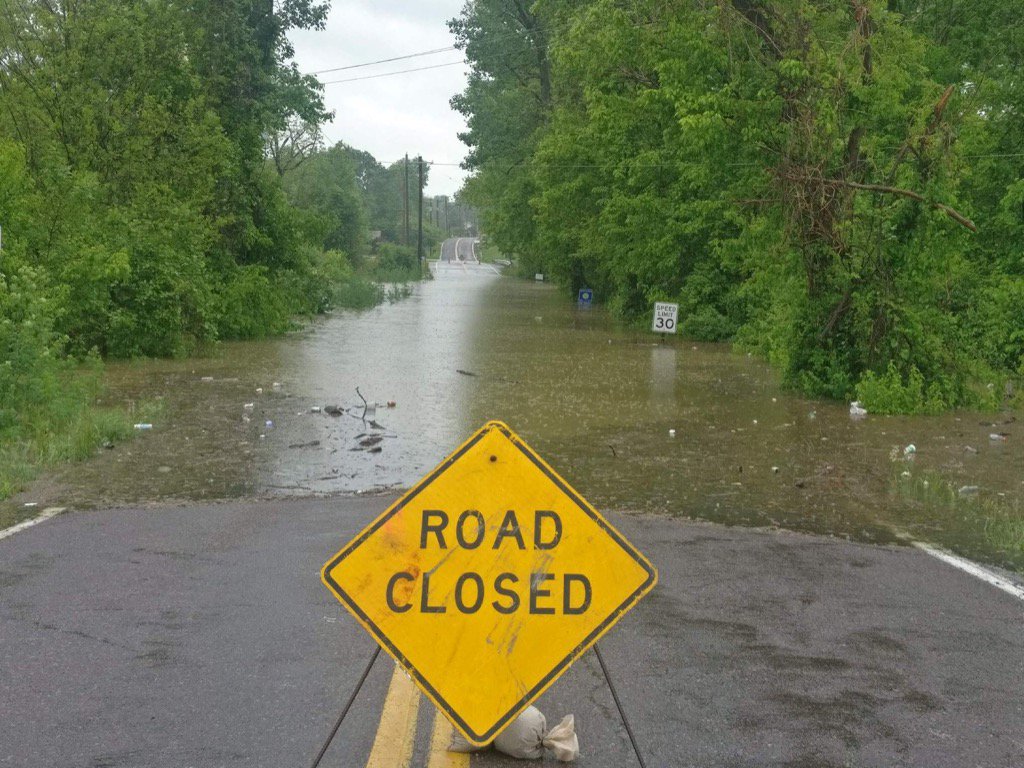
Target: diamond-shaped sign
{"points": [[488, 579]]}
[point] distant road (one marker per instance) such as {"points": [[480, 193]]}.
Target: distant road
{"points": [[459, 249]]}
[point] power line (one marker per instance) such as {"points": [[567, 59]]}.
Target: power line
{"points": [[392, 74], [384, 61]]}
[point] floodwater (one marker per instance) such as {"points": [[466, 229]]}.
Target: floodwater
{"points": [[599, 402]]}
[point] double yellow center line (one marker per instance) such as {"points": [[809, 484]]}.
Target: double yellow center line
{"points": [[396, 733]]}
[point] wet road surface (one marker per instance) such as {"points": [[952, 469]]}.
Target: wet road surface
{"points": [[201, 636], [599, 400]]}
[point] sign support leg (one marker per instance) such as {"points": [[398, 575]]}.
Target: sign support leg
{"points": [[618, 704], [348, 706]]}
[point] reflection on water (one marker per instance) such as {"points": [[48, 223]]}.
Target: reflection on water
{"points": [[599, 402]]}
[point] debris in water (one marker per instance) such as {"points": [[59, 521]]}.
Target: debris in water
{"points": [[999, 437], [206, 379], [316, 409], [31, 504], [671, 433], [276, 386], [310, 444], [968, 490], [970, 449], [269, 424], [143, 427], [857, 411], [370, 441], [775, 470], [259, 390], [249, 406], [392, 403], [333, 410], [910, 450], [464, 373]]}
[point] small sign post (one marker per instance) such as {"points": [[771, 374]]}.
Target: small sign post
{"points": [[488, 579], [665, 317]]}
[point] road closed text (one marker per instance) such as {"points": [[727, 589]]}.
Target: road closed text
{"points": [[536, 592]]}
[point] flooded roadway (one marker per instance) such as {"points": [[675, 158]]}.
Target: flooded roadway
{"points": [[597, 400]]}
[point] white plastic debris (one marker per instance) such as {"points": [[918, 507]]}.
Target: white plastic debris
{"points": [[276, 386], [671, 433], [207, 379], [910, 450], [249, 406], [997, 438], [968, 490], [143, 427], [259, 390], [857, 411]]}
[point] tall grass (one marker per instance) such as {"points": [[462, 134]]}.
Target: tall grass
{"points": [[69, 427]]}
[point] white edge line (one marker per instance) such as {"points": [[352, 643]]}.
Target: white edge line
{"points": [[45, 515], [973, 569]]}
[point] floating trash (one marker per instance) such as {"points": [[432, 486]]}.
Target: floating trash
{"points": [[857, 411], [143, 427]]}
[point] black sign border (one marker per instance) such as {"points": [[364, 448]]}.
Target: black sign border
{"points": [[561, 666]]}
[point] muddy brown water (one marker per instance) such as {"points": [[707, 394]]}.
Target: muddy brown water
{"points": [[597, 400]]}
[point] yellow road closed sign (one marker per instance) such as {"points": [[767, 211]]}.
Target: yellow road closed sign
{"points": [[488, 579]]}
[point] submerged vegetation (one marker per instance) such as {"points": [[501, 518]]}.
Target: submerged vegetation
{"points": [[836, 186], [163, 186]]}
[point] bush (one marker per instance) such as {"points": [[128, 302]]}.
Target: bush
{"points": [[252, 306], [396, 264], [891, 393]]}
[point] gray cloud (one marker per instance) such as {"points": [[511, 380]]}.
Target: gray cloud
{"points": [[391, 116]]}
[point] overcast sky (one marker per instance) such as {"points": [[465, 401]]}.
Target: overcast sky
{"points": [[390, 116]]}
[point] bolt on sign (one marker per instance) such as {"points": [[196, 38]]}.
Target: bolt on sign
{"points": [[488, 579]]}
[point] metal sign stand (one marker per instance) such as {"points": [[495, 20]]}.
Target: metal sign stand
{"points": [[618, 704], [348, 706], [373, 659]]}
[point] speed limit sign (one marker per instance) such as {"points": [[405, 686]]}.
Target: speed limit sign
{"points": [[665, 317]]}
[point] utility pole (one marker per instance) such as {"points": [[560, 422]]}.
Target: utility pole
{"points": [[419, 236], [406, 199]]}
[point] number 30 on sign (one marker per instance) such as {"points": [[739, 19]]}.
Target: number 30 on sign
{"points": [[665, 317]]}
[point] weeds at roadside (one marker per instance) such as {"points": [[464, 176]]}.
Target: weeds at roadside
{"points": [[973, 513]]}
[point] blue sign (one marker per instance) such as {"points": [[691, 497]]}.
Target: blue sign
{"points": [[586, 297]]}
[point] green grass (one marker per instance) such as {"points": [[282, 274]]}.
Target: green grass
{"points": [[489, 253], [73, 428], [977, 523]]}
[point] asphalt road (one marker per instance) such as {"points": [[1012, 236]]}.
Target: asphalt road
{"points": [[202, 636], [459, 249]]}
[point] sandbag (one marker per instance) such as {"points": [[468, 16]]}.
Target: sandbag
{"points": [[562, 740], [527, 737], [524, 738]]}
